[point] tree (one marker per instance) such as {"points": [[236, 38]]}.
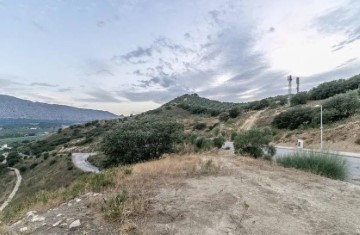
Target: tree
{"points": [[234, 112], [299, 98], [141, 141], [255, 143]]}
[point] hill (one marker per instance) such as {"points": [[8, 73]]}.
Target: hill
{"points": [[15, 108]]}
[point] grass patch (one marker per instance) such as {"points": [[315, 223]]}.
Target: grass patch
{"points": [[323, 164], [47, 199]]}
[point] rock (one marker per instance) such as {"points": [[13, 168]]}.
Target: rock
{"points": [[24, 229], [75, 224], [58, 215], [37, 218], [57, 223], [17, 223], [30, 214], [69, 204], [77, 200]]}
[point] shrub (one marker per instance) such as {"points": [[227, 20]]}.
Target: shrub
{"points": [[199, 126], [216, 131], [46, 155], [255, 143], [52, 162], [233, 136], [113, 208], [218, 142], [299, 98], [339, 107], [357, 141], [32, 166], [223, 117], [318, 163], [22, 168], [203, 143], [294, 118], [141, 141], [234, 112]]}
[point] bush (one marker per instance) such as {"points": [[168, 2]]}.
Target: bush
{"points": [[218, 142], [299, 98], [203, 143], [234, 112], [255, 143], [294, 118], [32, 166], [46, 155], [199, 126], [339, 107], [223, 117], [141, 141], [52, 162], [318, 163], [233, 136], [22, 168]]}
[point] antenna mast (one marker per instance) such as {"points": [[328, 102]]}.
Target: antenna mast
{"points": [[297, 84], [289, 92]]}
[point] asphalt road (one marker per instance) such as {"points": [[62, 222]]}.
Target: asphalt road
{"points": [[352, 159], [80, 161]]}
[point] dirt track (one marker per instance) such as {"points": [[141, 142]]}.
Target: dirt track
{"points": [[250, 121], [16, 188]]}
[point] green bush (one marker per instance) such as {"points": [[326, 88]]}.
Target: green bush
{"points": [[234, 112], [203, 143], [33, 165], [339, 107], [294, 118], [299, 98], [141, 141], [255, 143], [233, 136], [318, 163], [218, 142], [52, 162], [199, 126]]}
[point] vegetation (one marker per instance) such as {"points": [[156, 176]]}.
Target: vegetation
{"points": [[223, 117], [318, 163], [299, 98], [255, 143], [294, 118], [199, 126], [234, 112], [141, 141], [329, 89], [218, 141]]}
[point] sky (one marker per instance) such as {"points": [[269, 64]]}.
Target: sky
{"points": [[129, 56]]}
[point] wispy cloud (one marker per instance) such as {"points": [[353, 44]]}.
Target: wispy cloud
{"points": [[43, 84]]}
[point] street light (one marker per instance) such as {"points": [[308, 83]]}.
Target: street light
{"points": [[321, 126]]}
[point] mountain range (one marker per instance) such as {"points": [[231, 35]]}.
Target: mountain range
{"points": [[15, 108]]}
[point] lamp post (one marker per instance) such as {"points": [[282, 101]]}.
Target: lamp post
{"points": [[321, 126]]}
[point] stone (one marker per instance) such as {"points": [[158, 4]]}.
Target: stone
{"points": [[75, 224], [77, 200], [57, 223], [24, 229], [30, 214], [58, 215], [37, 218]]}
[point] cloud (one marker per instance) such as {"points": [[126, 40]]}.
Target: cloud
{"points": [[64, 89], [43, 84], [99, 96], [344, 20]]}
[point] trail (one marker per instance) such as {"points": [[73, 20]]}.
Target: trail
{"points": [[16, 188], [80, 161], [251, 121]]}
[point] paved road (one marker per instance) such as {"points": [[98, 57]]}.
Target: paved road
{"points": [[352, 159], [16, 188], [80, 161]]}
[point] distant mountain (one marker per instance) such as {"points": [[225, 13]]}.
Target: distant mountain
{"points": [[15, 108]]}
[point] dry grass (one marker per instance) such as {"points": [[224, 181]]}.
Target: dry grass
{"points": [[131, 196]]}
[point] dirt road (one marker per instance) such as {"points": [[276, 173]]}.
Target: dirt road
{"points": [[250, 121], [16, 188]]}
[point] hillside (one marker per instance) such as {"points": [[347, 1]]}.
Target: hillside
{"points": [[48, 159], [15, 108]]}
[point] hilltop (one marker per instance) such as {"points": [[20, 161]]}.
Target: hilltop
{"points": [[15, 108]]}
